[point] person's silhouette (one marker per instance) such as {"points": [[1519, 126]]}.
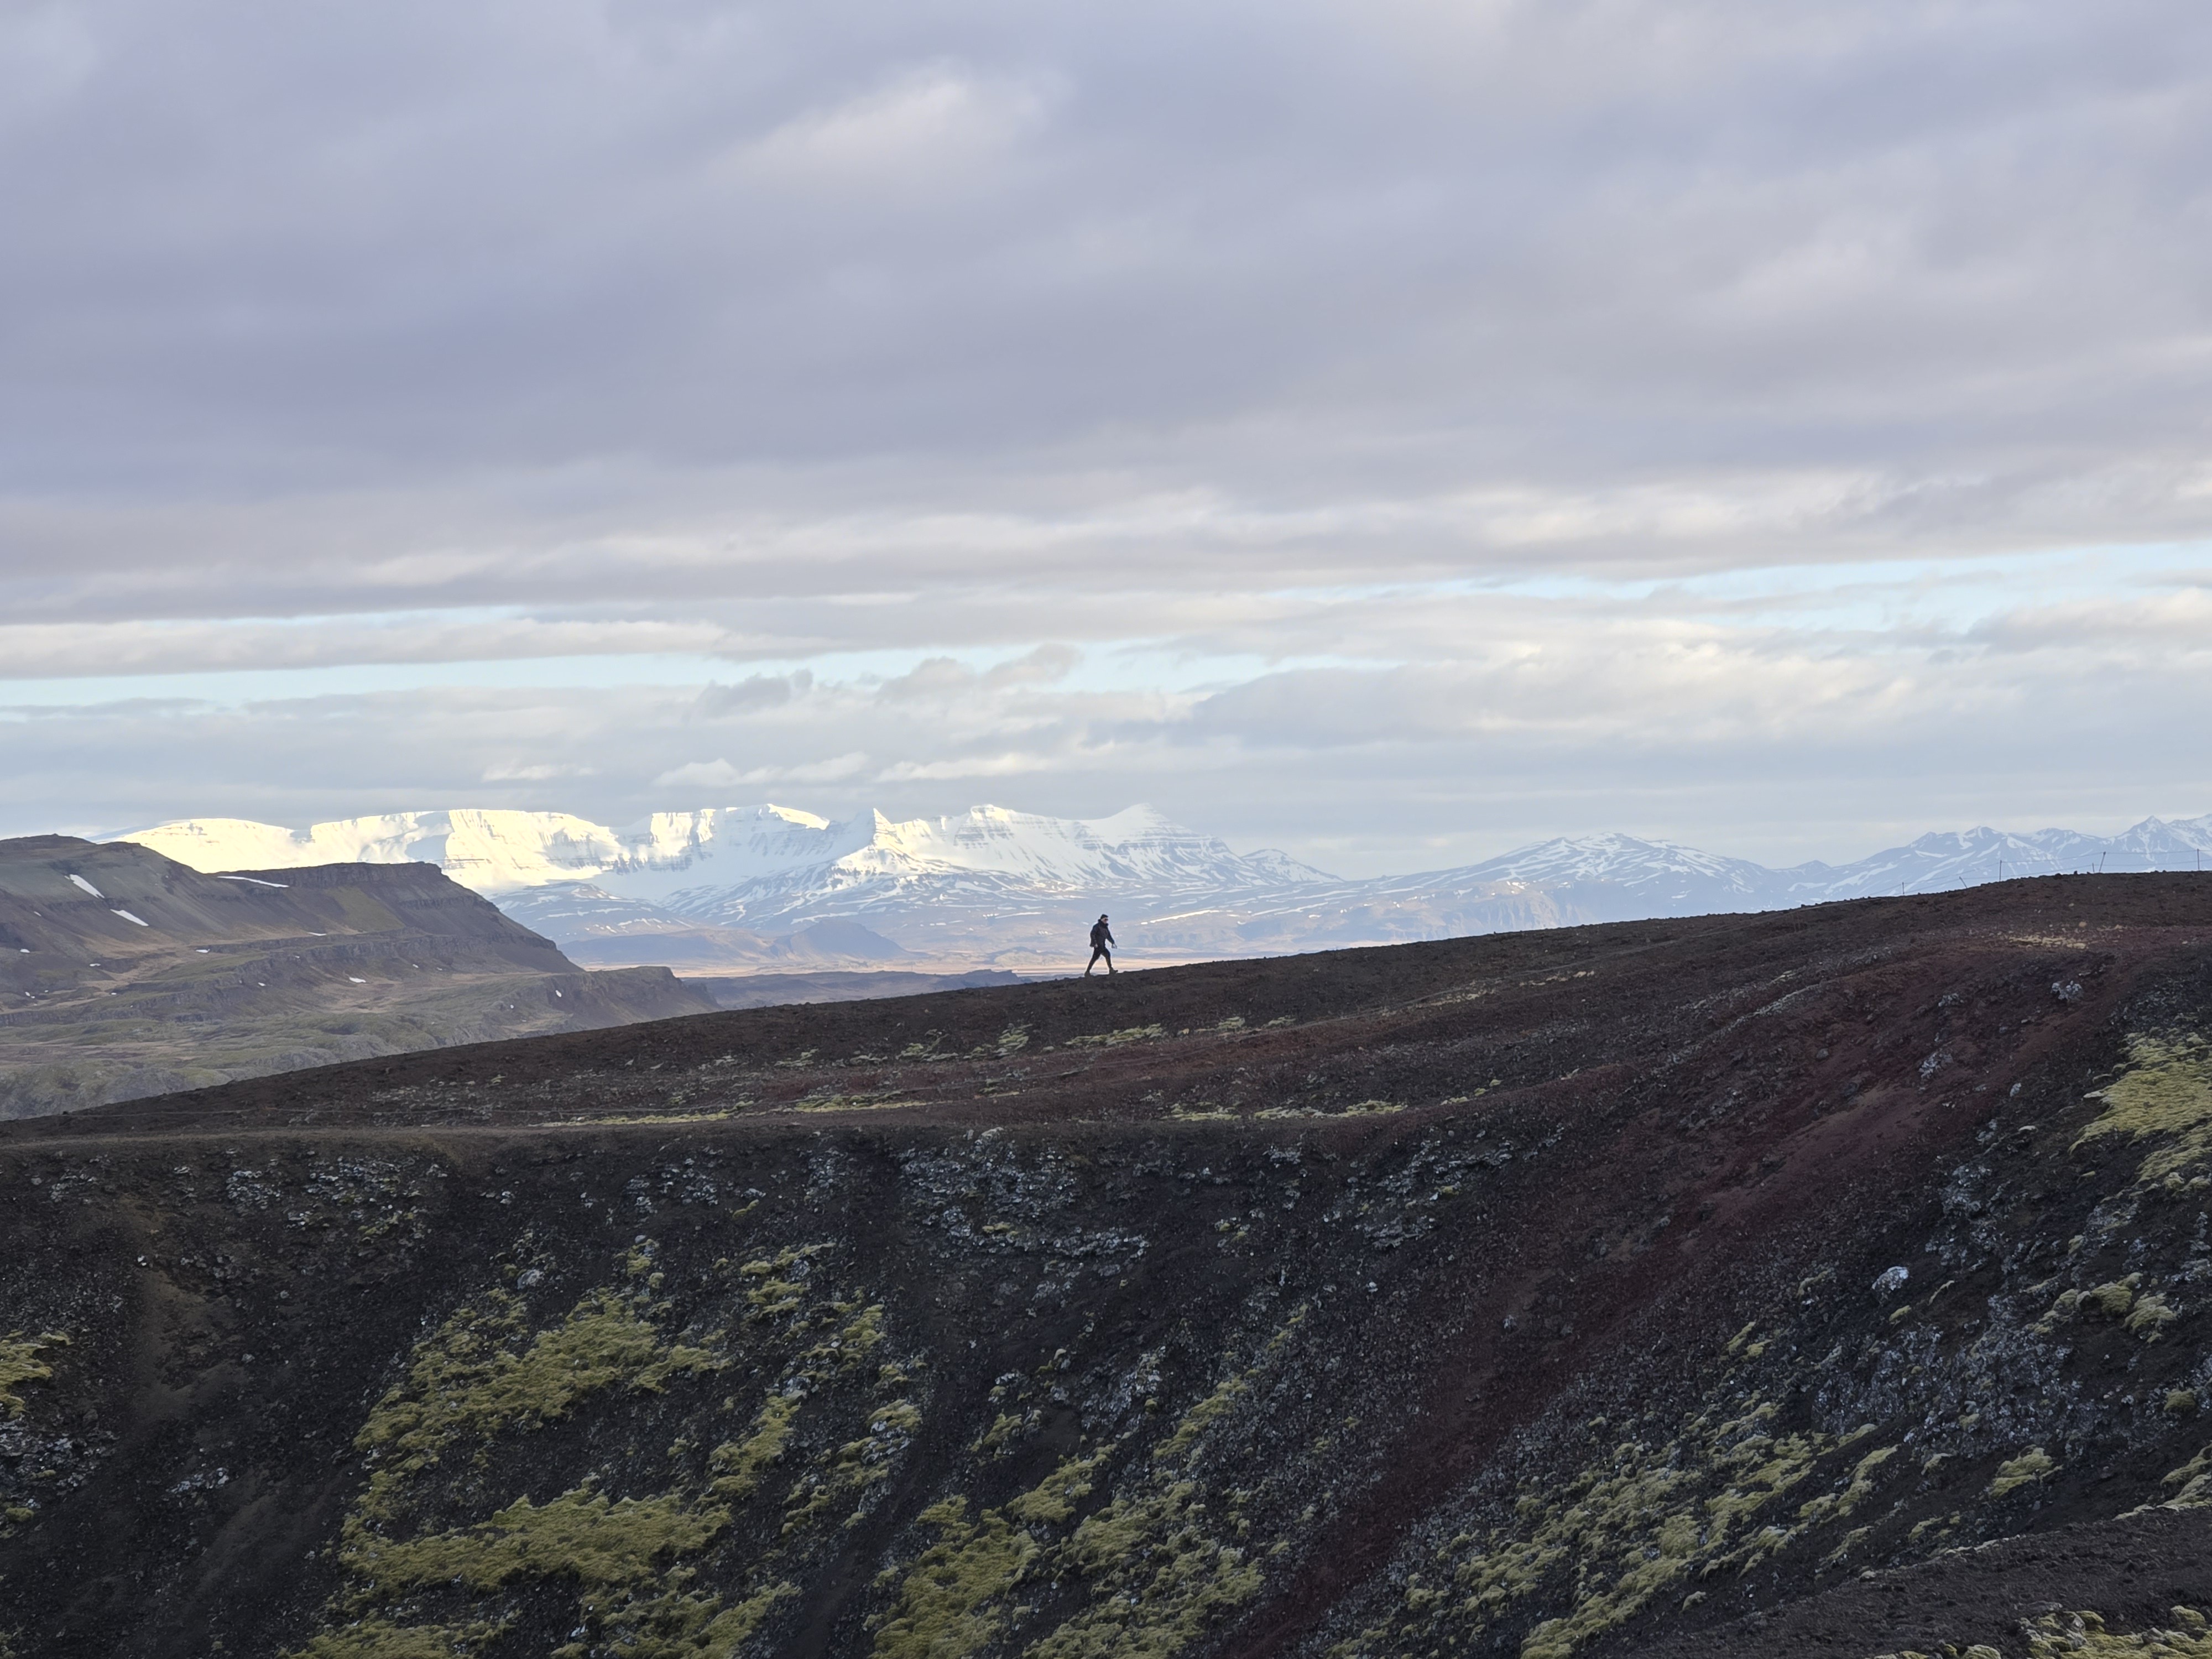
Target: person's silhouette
{"points": [[1102, 943]]}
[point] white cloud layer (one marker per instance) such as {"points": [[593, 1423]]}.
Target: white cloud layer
{"points": [[1387, 430]]}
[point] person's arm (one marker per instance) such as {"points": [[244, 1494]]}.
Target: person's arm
{"points": [[1110, 939]]}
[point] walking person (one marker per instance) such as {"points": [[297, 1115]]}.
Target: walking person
{"points": [[1102, 943]]}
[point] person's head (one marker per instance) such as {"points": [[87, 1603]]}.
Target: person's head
{"points": [[1102, 915]]}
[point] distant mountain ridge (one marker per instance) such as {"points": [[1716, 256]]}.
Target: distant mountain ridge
{"points": [[1938, 861], [498, 852], [993, 886]]}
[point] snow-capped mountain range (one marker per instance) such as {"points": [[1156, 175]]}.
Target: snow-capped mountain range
{"points": [[1004, 888], [686, 857]]}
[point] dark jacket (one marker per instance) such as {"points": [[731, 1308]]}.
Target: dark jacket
{"points": [[1101, 936]]}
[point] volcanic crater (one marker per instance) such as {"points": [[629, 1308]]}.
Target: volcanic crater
{"points": [[1829, 1281]]}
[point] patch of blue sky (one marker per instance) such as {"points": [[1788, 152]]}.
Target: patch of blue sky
{"points": [[237, 687], [1114, 667], [1849, 595], [1166, 665], [1945, 593]]}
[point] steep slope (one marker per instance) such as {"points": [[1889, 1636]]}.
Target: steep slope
{"points": [[124, 973], [1566, 1292]]}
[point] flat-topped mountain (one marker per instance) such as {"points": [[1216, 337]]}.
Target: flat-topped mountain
{"points": [[123, 973], [1832, 1283]]}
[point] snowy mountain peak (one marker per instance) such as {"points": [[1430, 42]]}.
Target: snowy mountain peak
{"points": [[491, 850], [1619, 859], [1137, 848], [718, 849]]}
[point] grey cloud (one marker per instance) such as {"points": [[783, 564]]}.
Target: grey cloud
{"points": [[2179, 623], [719, 777], [591, 287], [945, 677], [516, 772], [756, 691], [36, 650], [931, 678], [425, 334], [1042, 666]]}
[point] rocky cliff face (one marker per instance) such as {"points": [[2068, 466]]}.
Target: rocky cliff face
{"points": [[124, 973], [1704, 1286]]}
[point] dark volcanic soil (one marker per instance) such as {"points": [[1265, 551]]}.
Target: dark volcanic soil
{"points": [[1828, 1282]]}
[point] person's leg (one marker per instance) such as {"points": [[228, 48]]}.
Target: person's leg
{"points": [[1110, 968]]}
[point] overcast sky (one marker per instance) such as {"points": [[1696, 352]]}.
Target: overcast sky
{"points": [[1392, 432]]}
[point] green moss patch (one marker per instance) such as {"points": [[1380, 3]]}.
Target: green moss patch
{"points": [[2031, 1467], [1647, 1520], [19, 1363], [1115, 1039], [777, 1290], [1158, 1564], [1157, 1575], [2192, 1484], [1199, 1417], [2164, 1095], [677, 1623], [2151, 1314], [379, 1638], [738, 1465], [2084, 1636], [483, 1378], [578, 1535], [951, 1600], [2113, 1300], [474, 1379]]}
